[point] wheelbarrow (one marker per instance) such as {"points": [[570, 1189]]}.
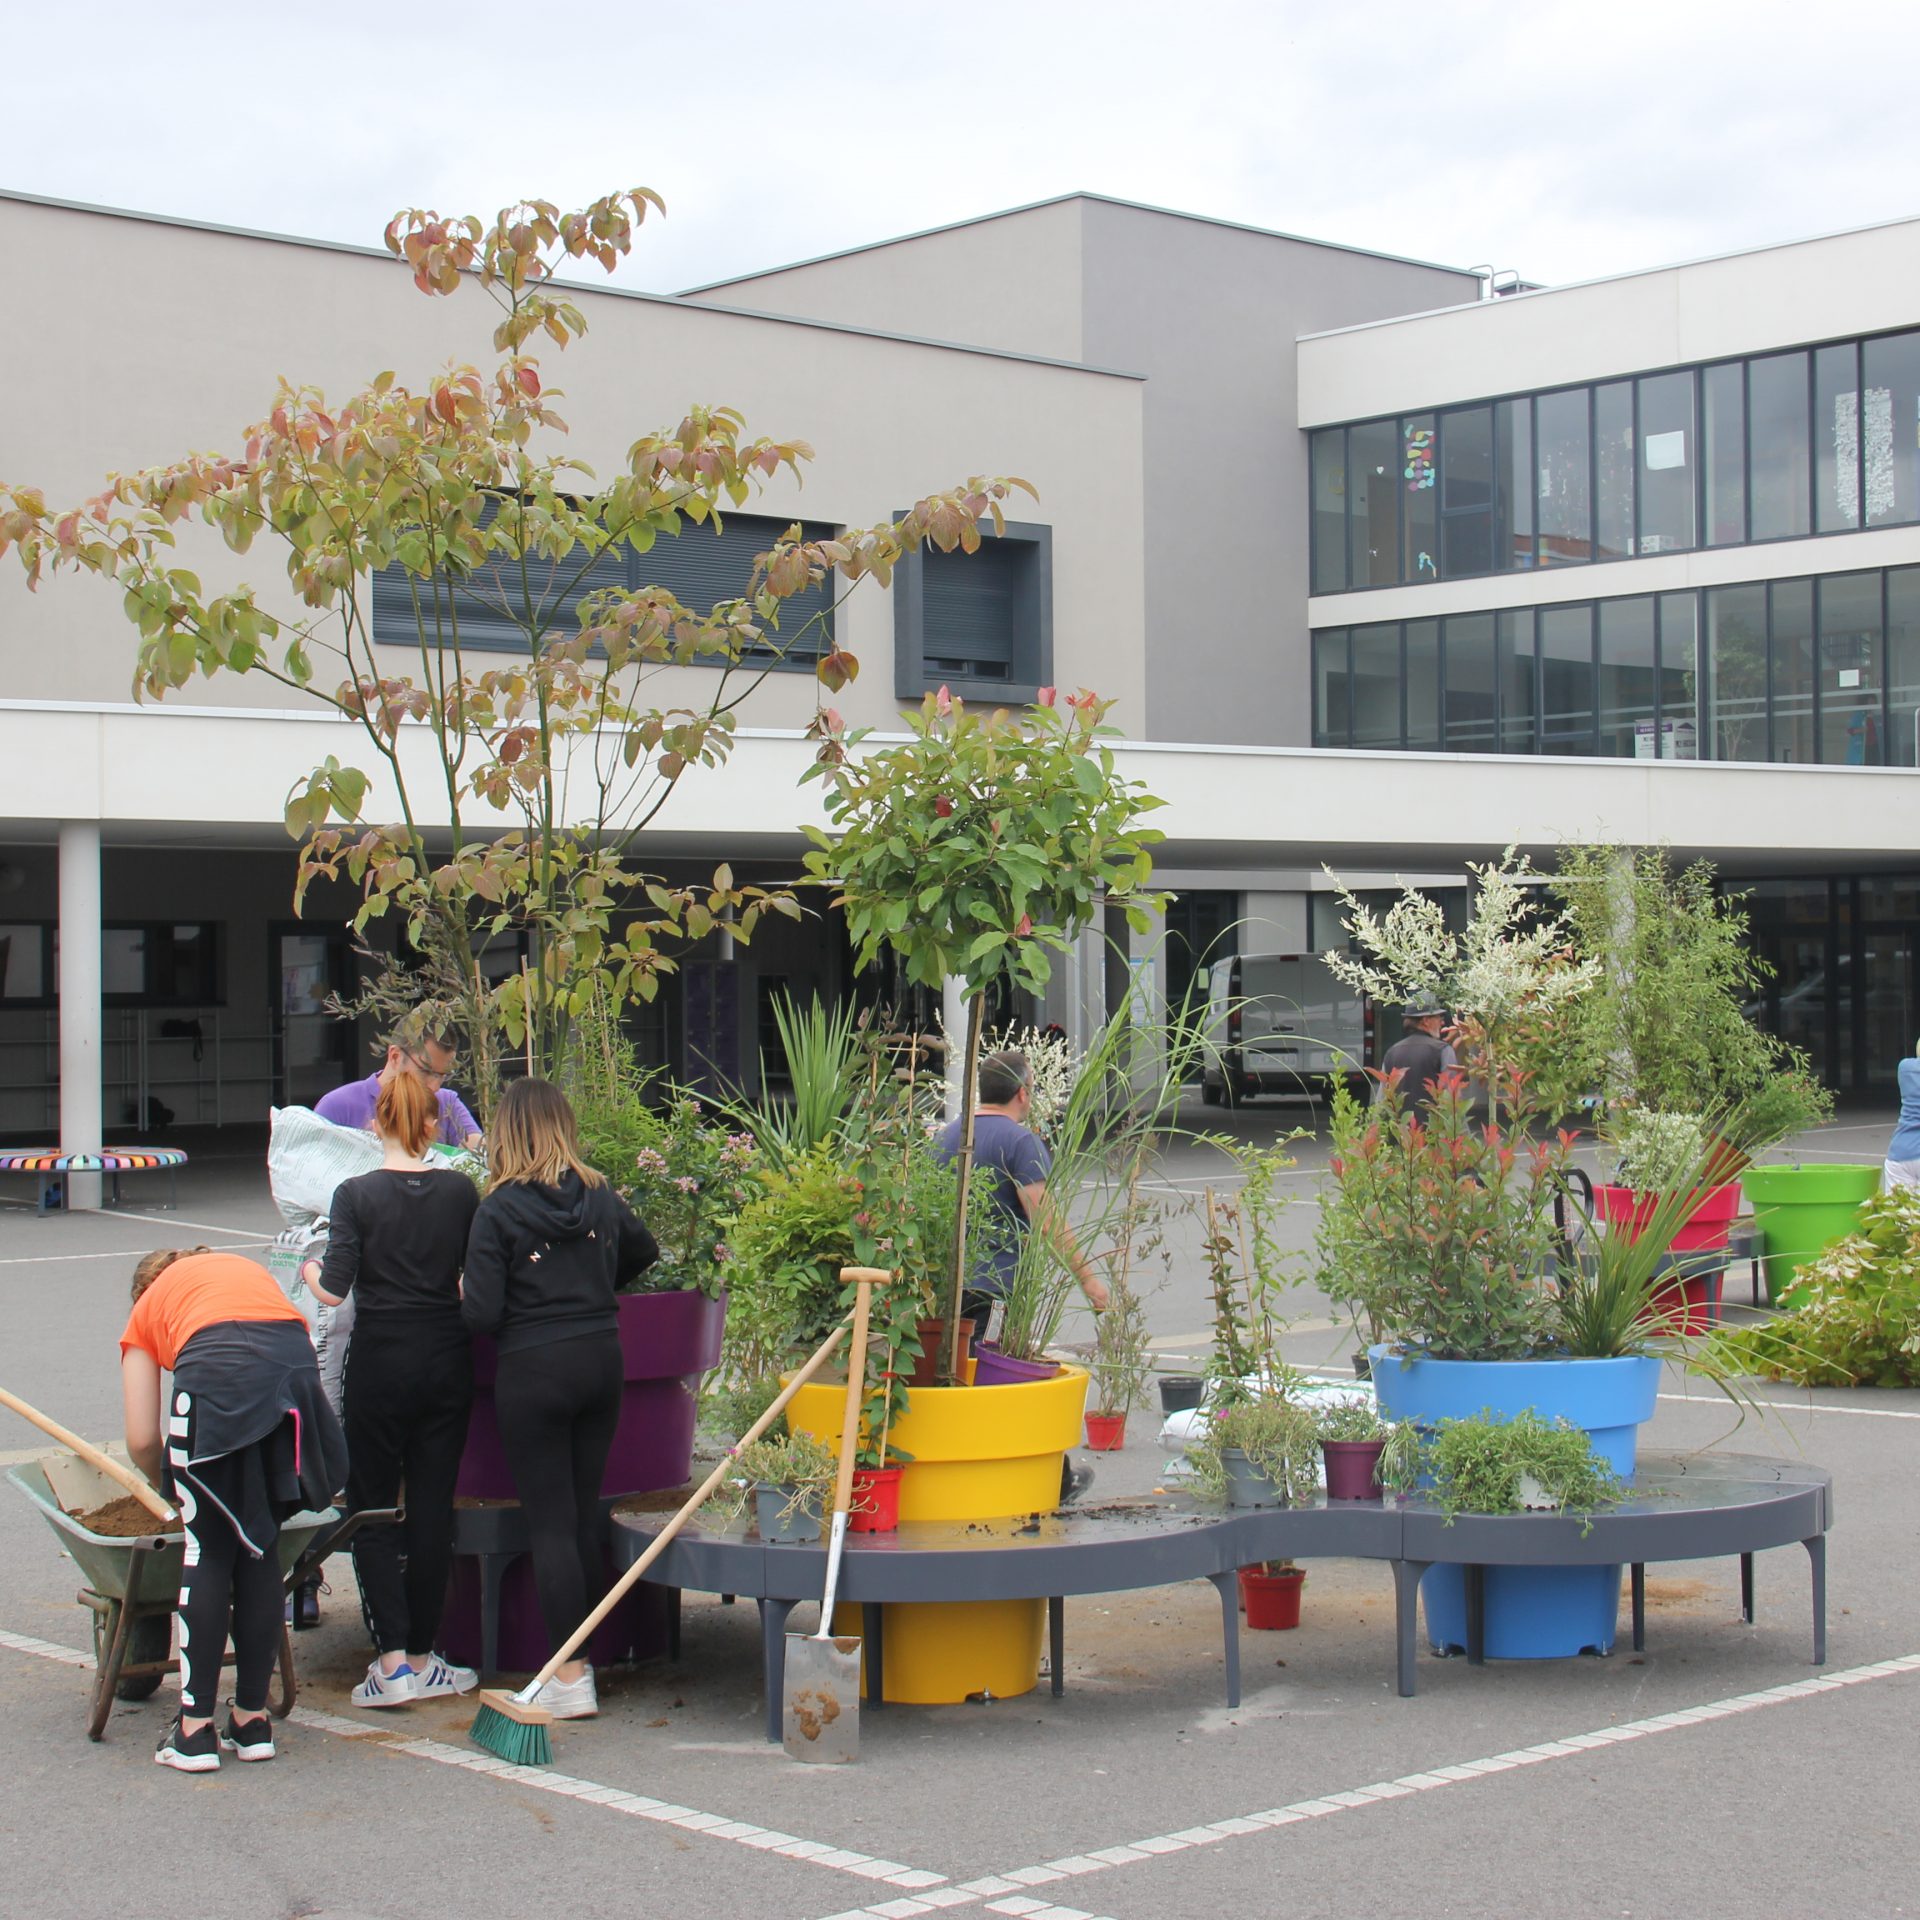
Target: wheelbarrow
{"points": [[133, 1586]]}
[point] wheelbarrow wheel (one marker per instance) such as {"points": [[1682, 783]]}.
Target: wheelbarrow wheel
{"points": [[149, 1643]]}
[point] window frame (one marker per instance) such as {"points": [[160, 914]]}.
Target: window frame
{"points": [[912, 680]]}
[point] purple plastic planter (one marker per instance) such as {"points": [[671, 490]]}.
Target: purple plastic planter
{"points": [[668, 1341]]}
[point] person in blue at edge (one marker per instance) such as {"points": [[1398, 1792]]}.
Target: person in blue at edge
{"points": [[1902, 1167], [1015, 1163]]}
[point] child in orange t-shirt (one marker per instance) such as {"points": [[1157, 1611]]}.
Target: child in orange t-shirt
{"points": [[249, 1439]]}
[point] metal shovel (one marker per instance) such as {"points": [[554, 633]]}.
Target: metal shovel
{"points": [[820, 1722]]}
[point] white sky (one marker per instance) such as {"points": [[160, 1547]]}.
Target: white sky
{"points": [[1563, 140]]}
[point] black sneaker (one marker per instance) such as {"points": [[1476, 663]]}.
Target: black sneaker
{"points": [[247, 1740], [189, 1752], [306, 1605]]}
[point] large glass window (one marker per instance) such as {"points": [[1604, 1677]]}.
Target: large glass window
{"points": [[1903, 666], [1890, 427], [1514, 485], [1473, 704], [1849, 675], [1790, 614], [1563, 480], [1513, 639], [1330, 684], [1777, 446], [1836, 438], [1329, 461], [1679, 666], [1373, 504], [1466, 492], [1628, 679], [1419, 507], [1423, 685], [1737, 672], [1724, 399], [1666, 463], [1566, 679], [1613, 470], [1376, 686]]}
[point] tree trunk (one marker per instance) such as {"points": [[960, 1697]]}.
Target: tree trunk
{"points": [[963, 1161]]}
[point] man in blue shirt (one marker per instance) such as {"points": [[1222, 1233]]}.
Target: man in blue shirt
{"points": [[1011, 1164], [422, 1044]]}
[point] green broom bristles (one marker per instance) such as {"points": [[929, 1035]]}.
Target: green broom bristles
{"points": [[510, 1728]]}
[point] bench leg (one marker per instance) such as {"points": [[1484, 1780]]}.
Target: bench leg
{"points": [[773, 1661], [493, 1574], [873, 1651], [1639, 1573], [1406, 1621], [1476, 1616], [1057, 1642], [1746, 1588], [1227, 1585], [1817, 1553]]}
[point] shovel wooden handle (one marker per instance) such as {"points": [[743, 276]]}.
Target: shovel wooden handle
{"points": [[92, 1455], [658, 1544], [865, 1279]]}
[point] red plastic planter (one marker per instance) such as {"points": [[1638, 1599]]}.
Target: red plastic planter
{"points": [[1706, 1226], [876, 1500], [1272, 1600], [1106, 1432]]}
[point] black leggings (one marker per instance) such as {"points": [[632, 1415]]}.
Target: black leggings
{"points": [[222, 1585], [409, 1388], [559, 1405]]}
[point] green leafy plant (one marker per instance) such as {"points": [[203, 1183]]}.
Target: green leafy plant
{"points": [[1859, 1323], [1120, 1359], [541, 764], [1652, 1150], [1440, 1230], [1280, 1439], [1350, 1420], [798, 1463], [1486, 1464], [977, 849], [822, 1050], [789, 1243]]}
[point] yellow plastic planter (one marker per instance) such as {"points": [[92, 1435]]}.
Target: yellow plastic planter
{"points": [[978, 1453]]}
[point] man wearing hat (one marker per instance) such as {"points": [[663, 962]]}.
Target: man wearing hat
{"points": [[1419, 1056]]}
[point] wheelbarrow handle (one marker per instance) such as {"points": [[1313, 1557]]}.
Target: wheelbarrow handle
{"points": [[331, 1539], [91, 1454]]}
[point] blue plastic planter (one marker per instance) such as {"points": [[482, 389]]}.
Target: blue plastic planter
{"points": [[1532, 1613]]}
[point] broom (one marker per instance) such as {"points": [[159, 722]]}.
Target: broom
{"points": [[509, 1724]]}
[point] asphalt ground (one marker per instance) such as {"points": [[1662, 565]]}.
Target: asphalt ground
{"points": [[1717, 1774]]}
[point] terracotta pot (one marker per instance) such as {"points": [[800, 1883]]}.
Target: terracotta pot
{"points": [[1272, 1600], [1106, 1432], [936, 1341], [1353, 1468], [876, 1500]]}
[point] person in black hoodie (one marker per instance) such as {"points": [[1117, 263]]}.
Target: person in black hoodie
{"points": [[551, 1245]]}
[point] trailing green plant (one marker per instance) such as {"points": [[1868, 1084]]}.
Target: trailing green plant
{"points": [[1280, 1438], [1858, 1324], [1440, 1229], [1350, 1420], [1664, 1024], [1398, 1467], [803, 1466], [1486, 1464]]}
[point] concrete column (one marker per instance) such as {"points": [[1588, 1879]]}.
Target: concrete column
{"points": [[953, 1017], [80, 1055]]}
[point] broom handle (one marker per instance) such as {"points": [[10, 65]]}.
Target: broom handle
{"points": [[659, 1543], [92, 1455]]}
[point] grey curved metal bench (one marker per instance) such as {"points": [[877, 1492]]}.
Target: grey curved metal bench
{"points": [[1685, 1507]]}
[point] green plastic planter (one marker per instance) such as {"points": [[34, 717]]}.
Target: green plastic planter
{"points": [[1802, 1211]]}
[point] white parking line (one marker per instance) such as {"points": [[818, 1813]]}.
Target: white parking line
{"points": [[716, 1826], [1011, 1892]]}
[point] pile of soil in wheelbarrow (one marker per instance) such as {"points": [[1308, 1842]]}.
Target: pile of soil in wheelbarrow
{"points": [[126, 1519]]}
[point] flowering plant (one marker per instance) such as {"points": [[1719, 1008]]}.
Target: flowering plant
{"points": [[687, 1178]]}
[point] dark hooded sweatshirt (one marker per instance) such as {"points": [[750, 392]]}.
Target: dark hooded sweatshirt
{"points": [[543, 1263]]}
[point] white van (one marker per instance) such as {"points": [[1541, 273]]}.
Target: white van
{"points": [[1281, 1023]]}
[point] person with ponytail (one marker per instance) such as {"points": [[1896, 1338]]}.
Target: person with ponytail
{"points": [[397, 1243], [551, 1246], [242, 1438]]}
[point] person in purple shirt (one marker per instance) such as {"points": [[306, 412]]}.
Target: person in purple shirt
{"points": [[420, 1045]]}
